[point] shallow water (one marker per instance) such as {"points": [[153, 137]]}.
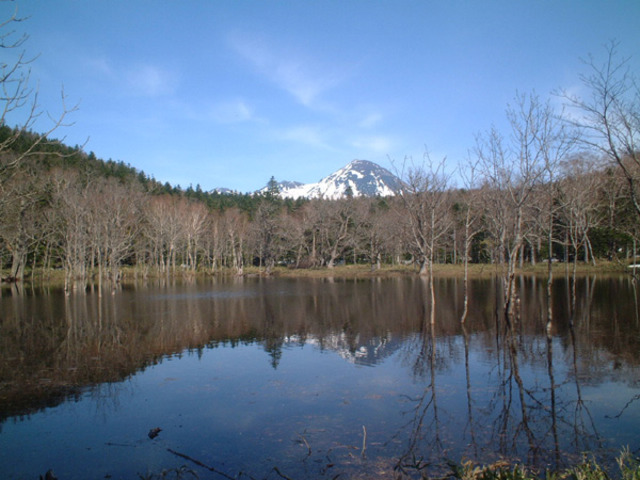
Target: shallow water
{"points": [[313, 377]]}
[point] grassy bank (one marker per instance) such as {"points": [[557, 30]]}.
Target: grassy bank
{"points": [[55, 277], [440, 270]]}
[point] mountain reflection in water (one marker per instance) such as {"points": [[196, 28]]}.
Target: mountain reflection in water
{"points": [[314, 377]]}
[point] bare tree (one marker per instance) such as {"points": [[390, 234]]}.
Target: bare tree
{"points": [[194, 225], [610, 115], [162, 230], [71, 203], [19, 102], [296, 230], [23, 217], [470, 218], [236, 226], [425, 197], [580, 200], [512, 169], [556, 143], [113, 225], [332, 228], [374, 230], [618, 211], [213, 241]]}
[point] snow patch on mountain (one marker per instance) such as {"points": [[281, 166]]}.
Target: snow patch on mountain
{"points": [[359, 178]]}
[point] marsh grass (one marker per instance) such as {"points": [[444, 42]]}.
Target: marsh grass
{"points": [[589, 469], [628, 468]]}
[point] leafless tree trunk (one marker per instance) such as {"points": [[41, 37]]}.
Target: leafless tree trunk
{"points": [[333, 221], [512, 170], [113, 226], [22, 223], [470, 218], [213, 243], [580, 192], [425, 197], [426, 200], [194, 224], [71, 202], [236, 227]]}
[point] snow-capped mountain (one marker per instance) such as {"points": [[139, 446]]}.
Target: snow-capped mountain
{"points": [[361, 177]]}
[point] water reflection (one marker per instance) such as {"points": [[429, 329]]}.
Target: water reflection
{"points": [[478, 390]]}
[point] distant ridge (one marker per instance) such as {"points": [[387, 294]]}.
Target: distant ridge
{"points": [[223, 191]]}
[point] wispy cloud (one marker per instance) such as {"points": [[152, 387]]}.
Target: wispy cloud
{"points": [[337, 128], [151, 80], [301, 76], [371, 120], [140, 79]]}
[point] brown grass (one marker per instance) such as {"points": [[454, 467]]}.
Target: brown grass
{"points": [[56, 277], [441, 270]]}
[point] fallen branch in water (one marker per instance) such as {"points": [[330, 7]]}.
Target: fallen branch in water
{"points": [[113, 444], [200, 464], [275, 469], [307, 445]]}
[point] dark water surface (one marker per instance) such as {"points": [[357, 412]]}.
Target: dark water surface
{"points": [[313, 377]]}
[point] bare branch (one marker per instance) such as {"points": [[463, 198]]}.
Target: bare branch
{"points": [[17, 96], [610, 116]]}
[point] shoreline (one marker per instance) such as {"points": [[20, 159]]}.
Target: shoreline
{"points": [[55, 278]]}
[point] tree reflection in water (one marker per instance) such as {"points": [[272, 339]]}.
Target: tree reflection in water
{"points": [[532, 390], [524, 419]]}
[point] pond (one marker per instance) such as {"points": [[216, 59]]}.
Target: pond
{"points": [[314, 378]]}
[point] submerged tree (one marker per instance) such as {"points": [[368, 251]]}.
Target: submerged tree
{"points": [[513, 167], [470, 218]]}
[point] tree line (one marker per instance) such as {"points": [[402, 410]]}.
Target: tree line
{"points": [[551, 187], [65, 210]]}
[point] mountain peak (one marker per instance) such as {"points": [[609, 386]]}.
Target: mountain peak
{"points": [[359, 177], [362, 164]]}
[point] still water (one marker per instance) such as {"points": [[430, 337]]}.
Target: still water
{"points": [[307, 378]]}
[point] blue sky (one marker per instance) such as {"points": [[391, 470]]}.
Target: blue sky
{"points": [[228, 93]]}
